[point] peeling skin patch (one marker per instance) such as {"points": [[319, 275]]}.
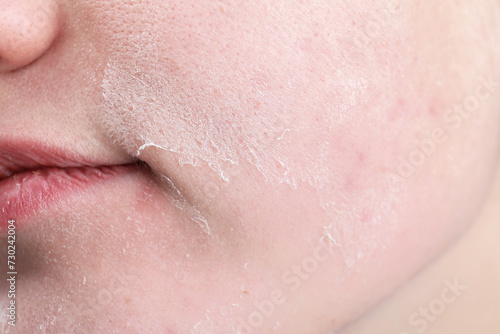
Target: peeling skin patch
{"points": [[181, 203], [143, 147], [233, 103], [178, 199]]}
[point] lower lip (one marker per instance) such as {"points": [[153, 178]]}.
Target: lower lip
{"points": [[24, 194]]}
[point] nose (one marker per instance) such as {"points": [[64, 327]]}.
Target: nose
{"points": [[27, 29]]}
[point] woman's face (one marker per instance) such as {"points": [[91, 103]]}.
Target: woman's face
{"points": [[302, 159]]}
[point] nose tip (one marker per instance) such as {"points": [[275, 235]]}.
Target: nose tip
{"points": [[27, 29]]}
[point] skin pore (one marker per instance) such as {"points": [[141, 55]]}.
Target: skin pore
{"points": [[297, 162]]}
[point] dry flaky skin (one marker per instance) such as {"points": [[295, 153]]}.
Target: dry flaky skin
{"points": [[281, 134]]}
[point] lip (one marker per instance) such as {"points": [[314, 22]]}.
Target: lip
{"points": [[17, 156], [34, 176]]}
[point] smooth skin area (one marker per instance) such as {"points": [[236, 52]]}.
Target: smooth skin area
{"points": [[298, 162]]}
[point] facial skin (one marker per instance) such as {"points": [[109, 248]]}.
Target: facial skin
{"points": [[304, 159]]}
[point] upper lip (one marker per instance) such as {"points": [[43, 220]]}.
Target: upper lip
{"points": [[23, 155]]}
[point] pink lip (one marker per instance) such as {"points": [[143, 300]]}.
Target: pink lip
{"points": [[34, 176], [17, 156]]}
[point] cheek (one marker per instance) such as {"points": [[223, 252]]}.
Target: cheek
{"points": [[335, 107], [282, 100], [310, 136]]}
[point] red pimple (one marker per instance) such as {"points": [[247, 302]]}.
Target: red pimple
{"points": [[435, 107]]}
